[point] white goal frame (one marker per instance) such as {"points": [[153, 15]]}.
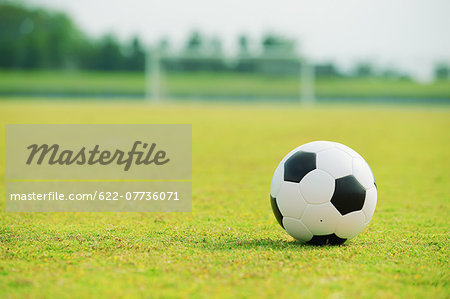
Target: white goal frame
{"points": [[153, 74]]}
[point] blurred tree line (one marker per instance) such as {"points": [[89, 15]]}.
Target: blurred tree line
{"points": [[35, 38], [40, 39]]}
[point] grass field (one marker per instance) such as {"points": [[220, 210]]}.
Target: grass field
{"points": [[214, 84], [230, 245]]}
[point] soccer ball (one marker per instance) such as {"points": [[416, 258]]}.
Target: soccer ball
{"points": [[323, 192]]}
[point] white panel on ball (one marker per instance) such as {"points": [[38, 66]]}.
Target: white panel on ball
{"points": [[316, 146], [289, 200], [277, 180], [370, 203], [317, 187], [297, 229], [348, 150], [335, 162], [350, 225], [321, 219], [363, 173]]}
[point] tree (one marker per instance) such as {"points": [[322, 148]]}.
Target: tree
{"points": [[195, 42], [109, 55], [326, 70], [136, 56], [245, 62], [36, 38], [276, 43], [364, 69], [442, 72], [243, 44]]}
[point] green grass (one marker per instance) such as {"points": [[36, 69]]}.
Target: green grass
{"points": [[230, 245], [214, 84]]}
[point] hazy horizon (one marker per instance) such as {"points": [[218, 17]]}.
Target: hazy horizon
{"points": [[411, 36]]}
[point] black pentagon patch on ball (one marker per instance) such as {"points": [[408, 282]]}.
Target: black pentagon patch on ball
{"points": [[298, 165], [349, 195], [326, 240], [276, 211]]}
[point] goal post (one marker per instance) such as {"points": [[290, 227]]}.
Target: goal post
{"points": [[307, 80], [153, 75], [154, 72]]}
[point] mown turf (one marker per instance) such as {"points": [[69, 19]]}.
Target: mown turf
{"points": [[231, 245], [215, 84]]}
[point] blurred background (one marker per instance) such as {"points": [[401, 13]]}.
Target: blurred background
{"points": [[306, 51]]}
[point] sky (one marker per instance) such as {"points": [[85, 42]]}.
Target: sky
{"points": [[410, 35]]}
